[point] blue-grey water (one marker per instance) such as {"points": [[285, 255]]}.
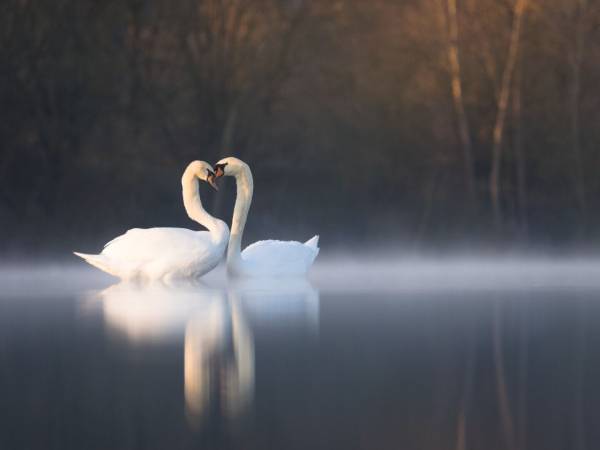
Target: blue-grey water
{"points": [[365, 354]]}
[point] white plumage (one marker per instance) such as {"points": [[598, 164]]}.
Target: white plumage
{"points": [[165, 253], [281, 258], [264, 258]]}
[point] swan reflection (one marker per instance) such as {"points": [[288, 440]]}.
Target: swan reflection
{"points": [[215, 329], [278, 303], [218, 363], [154, 313]]}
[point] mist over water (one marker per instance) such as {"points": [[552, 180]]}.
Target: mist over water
{"points": [[348, 273], [366, 353]]}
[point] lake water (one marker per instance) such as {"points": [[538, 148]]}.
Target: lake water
{"points": [[363, 355]]}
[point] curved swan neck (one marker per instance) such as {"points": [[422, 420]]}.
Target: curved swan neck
{"points": [[192, 203], [245, 188]]}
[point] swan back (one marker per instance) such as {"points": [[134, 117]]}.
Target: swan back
{"points": [[157, 253], [279, 258]]}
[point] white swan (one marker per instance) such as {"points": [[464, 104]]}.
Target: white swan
{"points": [[167, 253], [264, 258]]}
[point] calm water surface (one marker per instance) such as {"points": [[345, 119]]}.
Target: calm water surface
{"points": [[404, 357]]}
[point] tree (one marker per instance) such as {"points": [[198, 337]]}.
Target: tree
{"points": [[507, 74], [448, 23], [575, 58]]}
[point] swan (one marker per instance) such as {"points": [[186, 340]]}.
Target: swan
{"points": [[169, 253], [264, 258]]}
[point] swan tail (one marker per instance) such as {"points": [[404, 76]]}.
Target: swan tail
{"points": [[313, 243], [99, 261]]}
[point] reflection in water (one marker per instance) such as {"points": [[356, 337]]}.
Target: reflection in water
{"points": [[192, 367], [212, 326], [154, 313], [218, 363], [278, 303]]}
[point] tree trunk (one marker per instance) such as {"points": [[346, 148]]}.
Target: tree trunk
{"points": [[487, 54], [520, 157], [429, 198], [515, 35], [449, 29], [576, 61]]}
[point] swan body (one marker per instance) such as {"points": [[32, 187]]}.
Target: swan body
{"points": [[264, 258], [280, 258], [169, 253]]}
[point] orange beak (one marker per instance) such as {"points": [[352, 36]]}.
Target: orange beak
{"points": [[211, 181], [219, 173]]}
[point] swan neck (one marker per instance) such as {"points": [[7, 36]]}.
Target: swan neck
{"points": [[193, 204], [245, 188]]}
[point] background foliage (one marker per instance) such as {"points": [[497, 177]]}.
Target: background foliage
{"points": [[427, 123]]}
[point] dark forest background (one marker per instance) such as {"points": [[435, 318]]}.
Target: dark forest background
{"points": [[383, 124]]}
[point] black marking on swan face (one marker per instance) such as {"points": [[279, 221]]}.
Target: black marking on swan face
{"points": [[219, 170]]}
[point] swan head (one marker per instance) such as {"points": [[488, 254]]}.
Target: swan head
{"points": [[204, 172], [228, 167]]}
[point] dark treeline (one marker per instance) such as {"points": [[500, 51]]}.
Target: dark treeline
{"points": [[423, 122]]}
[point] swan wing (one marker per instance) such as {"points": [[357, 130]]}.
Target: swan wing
{"points": [[156, 253], [143, 245], [280, 257], [133, 233]]}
